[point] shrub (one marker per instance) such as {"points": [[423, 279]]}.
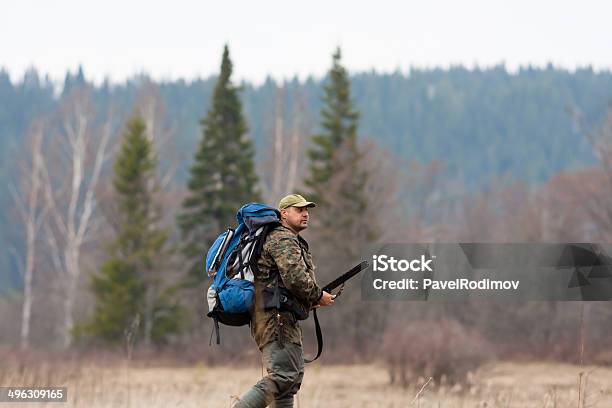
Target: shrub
{"points": [[442, 349]]}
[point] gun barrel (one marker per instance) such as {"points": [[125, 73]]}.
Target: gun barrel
{"points": [[346, 276]]}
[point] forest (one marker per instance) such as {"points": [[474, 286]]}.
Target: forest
{"points": [[112, 193]]}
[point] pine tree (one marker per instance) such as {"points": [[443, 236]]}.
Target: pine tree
{"points": [[339, 121], [343, 222], [223, 176], [338, 177], [129, 287]]}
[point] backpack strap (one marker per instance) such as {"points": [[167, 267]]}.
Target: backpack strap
{"points": [[215, 318], [215, 330], [240, 259], [259, 243]]}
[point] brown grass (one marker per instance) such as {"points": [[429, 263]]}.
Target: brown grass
{"points": [[111, 384]]}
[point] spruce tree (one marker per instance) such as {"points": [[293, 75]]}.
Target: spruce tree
{"points": [[339, 121], [344, 222], [223, 176], [338, 176], [128, 287]]}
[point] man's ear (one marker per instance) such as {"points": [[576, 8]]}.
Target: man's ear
{"points": [[283, 213]]}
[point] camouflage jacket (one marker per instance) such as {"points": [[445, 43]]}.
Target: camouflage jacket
{"points": [[286, 260]]}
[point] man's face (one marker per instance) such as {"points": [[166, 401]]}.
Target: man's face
{"points": [[295, 217]]}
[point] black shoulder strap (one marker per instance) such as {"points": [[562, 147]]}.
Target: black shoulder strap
{"points": [[319, 338], [261, 240]]}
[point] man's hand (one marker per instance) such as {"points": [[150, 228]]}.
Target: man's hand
{"points": [[326, 299]]}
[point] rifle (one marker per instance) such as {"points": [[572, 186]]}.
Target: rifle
{"points": [[341, 280]]}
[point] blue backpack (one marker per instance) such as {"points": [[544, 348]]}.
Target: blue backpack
{"points": [[232, 262]]}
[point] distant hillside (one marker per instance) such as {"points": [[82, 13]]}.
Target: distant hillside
{"points": [[480, 122]]}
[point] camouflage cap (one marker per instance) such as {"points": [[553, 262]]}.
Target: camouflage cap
{"points": [[294, 200]]}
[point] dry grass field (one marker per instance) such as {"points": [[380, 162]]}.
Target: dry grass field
{"points": [[114, 384]]}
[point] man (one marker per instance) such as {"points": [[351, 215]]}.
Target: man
{"points": [[285, 262]]}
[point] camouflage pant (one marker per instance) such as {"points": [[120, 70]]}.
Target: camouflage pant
{"points": [[285, 367]]}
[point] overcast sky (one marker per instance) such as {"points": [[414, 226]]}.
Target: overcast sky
{"points": [[184, 39]]}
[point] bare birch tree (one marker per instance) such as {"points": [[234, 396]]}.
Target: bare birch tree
{"points": [[151, 107], [598, 204], [286, 149], [279, 154], [69, 192], [28, 204], [294, 149]]}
